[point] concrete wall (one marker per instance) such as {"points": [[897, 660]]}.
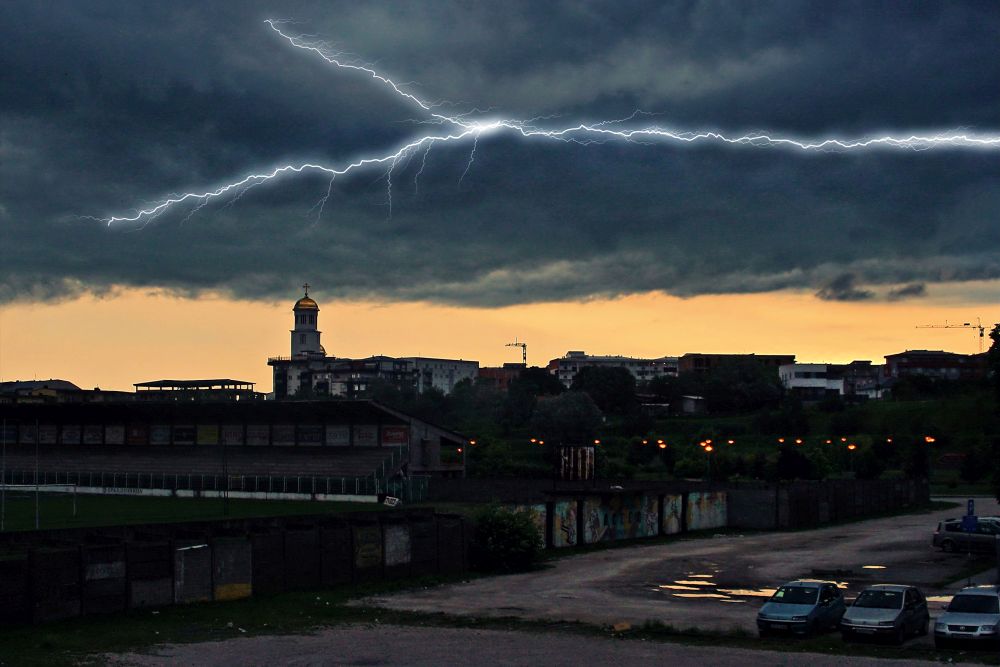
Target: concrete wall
{"points": [[808, 504], [50, 575]]}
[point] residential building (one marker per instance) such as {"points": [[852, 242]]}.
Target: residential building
{"points": [[442, 374], [935, 364], [565, 368], [501, 376], [696, 362]]}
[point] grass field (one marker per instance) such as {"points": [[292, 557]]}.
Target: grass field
{"points": [[56, 510]]}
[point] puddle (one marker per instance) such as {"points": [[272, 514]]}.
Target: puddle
{"points": [[716, 596], [694, 582], [939, 598], [701, 576], [873, 567], [749, 592], [679, 587]]}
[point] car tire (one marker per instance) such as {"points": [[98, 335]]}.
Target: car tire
{"points": [[948, 547], [924, 627]]}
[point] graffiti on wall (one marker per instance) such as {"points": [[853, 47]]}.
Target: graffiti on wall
{"points": [[564, 523], [706, 509], [619, 517], [672, 508]]}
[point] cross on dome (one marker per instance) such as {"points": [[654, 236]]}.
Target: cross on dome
{"points": [[306, 287]]}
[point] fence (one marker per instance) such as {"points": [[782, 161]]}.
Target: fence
{"points": [[410, 489], [50, 575]]}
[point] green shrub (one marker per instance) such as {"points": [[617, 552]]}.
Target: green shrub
{"points": [[505, 541]]}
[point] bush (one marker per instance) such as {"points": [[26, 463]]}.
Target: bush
{"points": [[505, 541]]}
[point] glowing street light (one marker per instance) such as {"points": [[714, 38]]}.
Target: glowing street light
{"points": [[730, 442], [662, 445], [597, 442], [798, 441], [781, 441], [533, 440]]}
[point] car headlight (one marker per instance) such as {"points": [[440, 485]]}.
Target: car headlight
{"points": [[988, 628], [886, 624], [799, 618], [940, 626]]}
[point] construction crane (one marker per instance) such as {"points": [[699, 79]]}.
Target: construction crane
{"points": [[524, 351], [964, 325]]}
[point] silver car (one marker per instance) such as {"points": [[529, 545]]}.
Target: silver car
{"points": [[886, 610], [973, 615], [802, 607], [950, 537]]}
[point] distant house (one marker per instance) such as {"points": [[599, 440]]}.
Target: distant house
{"points": [[935, 364], [815, 382]]}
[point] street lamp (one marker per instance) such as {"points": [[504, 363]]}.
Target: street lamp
{"points": [[708, 462], [850, 456]]}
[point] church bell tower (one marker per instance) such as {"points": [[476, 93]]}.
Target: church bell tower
{"points": [[305, 335]]}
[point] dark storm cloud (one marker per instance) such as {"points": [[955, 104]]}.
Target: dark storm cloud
{"points": [[844, 288], [908, 292], [105, 107]]}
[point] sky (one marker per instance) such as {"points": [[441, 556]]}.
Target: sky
{"points": [[644, 248]]}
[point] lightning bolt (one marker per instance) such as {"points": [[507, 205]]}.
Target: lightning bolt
{"points": [[465, 127]]}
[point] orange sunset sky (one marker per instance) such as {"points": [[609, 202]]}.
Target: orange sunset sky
{"points": [[138, 335]]}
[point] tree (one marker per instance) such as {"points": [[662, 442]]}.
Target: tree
{"points": [[611, 387], [571, 418]]}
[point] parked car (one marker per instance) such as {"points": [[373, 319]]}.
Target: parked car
{"points": [[973, 615], [950, 537], [886, 610], [802, 607]]}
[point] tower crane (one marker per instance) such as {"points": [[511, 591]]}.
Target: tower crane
{"points": [[964, 325], [524, 351]]}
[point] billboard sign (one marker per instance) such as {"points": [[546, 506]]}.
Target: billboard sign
{"points": [[338, 436]]}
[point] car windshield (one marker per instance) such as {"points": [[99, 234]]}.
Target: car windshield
{"points": [[975, 604], [880, 600], [795, 595]]}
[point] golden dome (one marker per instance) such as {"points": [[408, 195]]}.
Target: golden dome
{"points": [[305, 303]]}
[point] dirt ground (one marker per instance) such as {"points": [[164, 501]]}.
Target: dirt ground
{"points": [[431, 647], [711, 584]]}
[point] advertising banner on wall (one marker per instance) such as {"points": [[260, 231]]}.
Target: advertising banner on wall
{"points": [[184, 435], [258, 434], [310, 435], [70, 434], [338, 435], [395, 435], [93, 434], [137, 434], [366, 436], [26, 434], [159, 434], [283, 435], [208, 434], [48, 434], [232, 434], [114, 434]]}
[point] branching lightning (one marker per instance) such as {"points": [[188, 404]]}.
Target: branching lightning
{"points": [[465, 127]]}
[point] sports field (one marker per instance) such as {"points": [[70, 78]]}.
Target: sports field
{"points": [[56, 510]]}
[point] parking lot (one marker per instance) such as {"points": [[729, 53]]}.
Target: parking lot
{"points": [[713, 583]]}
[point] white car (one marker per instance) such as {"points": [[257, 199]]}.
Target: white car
{"points": [[973, 616]]}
